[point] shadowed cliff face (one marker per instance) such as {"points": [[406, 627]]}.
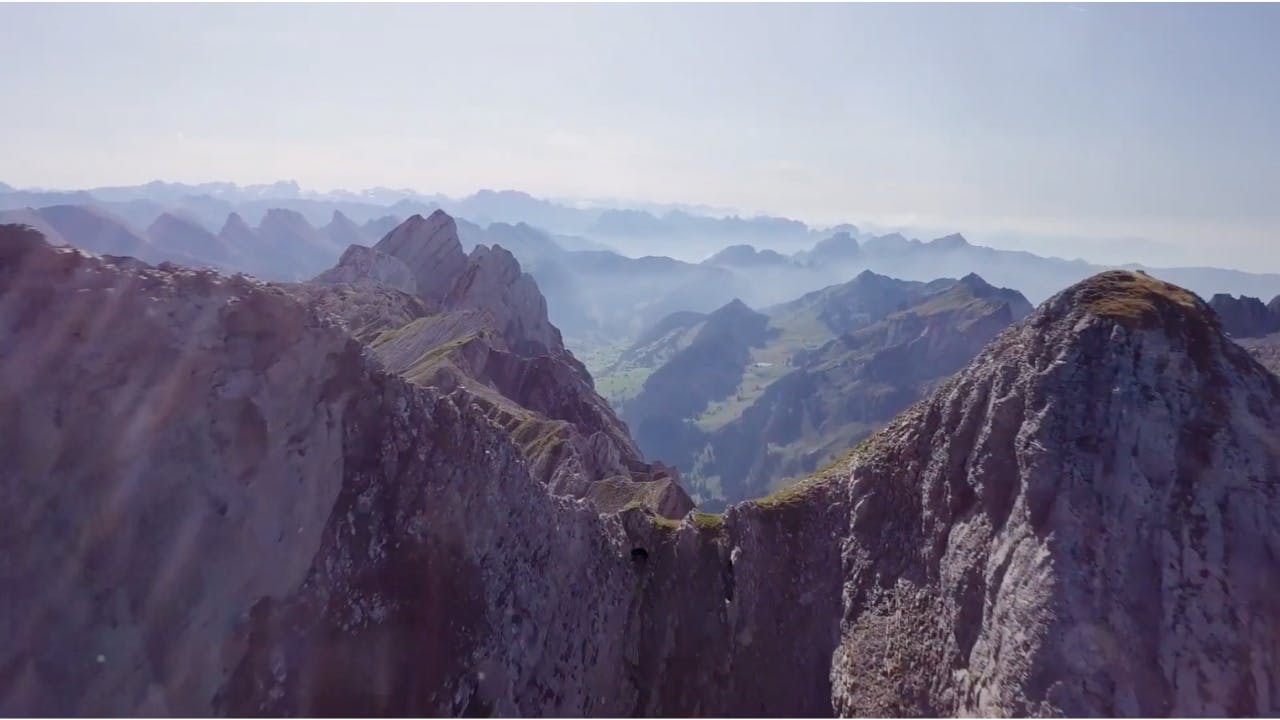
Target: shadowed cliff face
{"points": [[218, 502]]}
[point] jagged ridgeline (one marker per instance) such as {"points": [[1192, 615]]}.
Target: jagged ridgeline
{"points": [[390, 491]]}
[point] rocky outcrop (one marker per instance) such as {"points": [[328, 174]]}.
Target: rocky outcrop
{"points": [[1245, 316], [360, 265], [489, 332], [1090, 512], [430, 247], [493, 283]]}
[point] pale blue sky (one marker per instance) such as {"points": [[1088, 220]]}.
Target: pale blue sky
{"points": [[1149, 121]]}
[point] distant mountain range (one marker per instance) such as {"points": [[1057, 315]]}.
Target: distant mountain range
{"points": [[744, 402], [608, 272]]}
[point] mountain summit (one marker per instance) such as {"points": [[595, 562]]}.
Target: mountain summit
{"points": [[1091, 510]]}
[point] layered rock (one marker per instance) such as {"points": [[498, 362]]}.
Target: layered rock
{"points": [[360, 265], [430, 247], [493, 283], [488, 331], [217, 502]]}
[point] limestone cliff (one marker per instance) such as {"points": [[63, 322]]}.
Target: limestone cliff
{"points": [[217, 501]]}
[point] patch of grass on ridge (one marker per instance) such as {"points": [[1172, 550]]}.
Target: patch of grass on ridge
{"points": [[711, 522], [1132, 297]]}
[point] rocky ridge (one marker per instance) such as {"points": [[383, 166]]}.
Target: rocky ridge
{"points": [[1246, 316], [1081, 522], [485, 328]]}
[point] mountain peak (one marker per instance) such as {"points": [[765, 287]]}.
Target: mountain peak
{"points": [[1067, 454], [743, 255], [870, 276], [1136, 300], [431, 249], [492, 281], [235, 227], [947, 242], [975, 282], [735, 306]]}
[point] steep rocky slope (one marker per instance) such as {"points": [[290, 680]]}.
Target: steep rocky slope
{"points": [[216, 502], [1082, 522], [481, 323]]}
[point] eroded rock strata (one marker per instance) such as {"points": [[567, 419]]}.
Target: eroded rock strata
{"points": [[217, 501]]}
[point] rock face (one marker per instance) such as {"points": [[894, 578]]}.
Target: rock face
{"points": [[493, 283], [217, 502], [1245, 316], [364, 265], [1090, 510], [430, 247], [488, 331]]}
